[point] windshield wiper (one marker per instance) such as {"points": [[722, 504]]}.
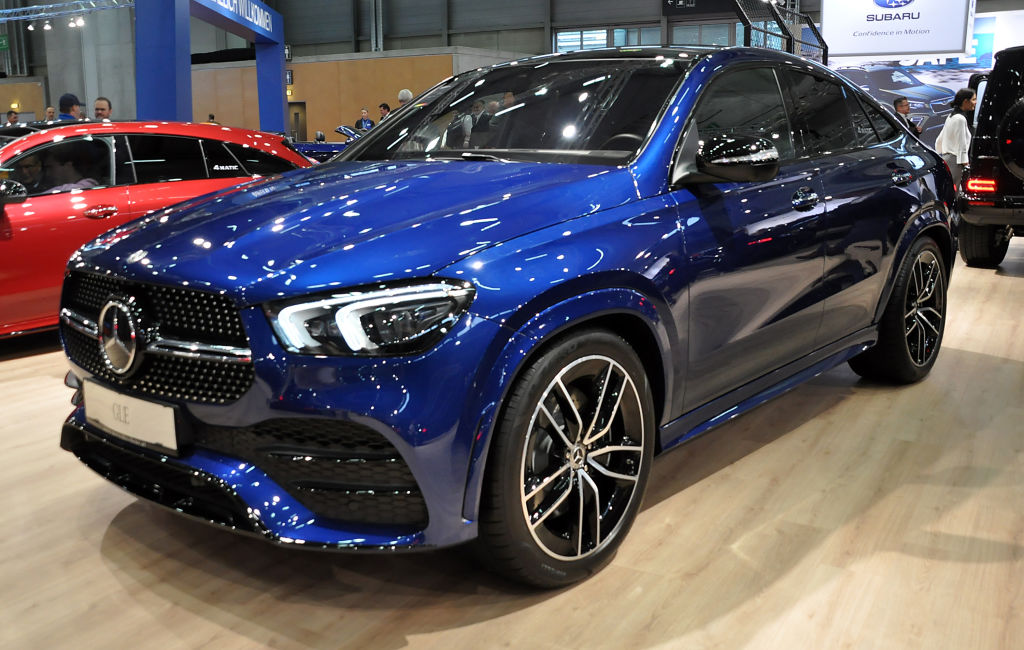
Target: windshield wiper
{"points": [[468, 155]]}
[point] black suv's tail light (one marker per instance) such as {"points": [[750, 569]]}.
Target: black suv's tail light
{"points": [[981, 185]]}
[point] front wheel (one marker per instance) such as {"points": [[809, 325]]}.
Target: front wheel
{"points": [[569, 463], [910, 331]]}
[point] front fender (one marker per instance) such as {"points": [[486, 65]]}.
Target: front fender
{"points": [[602, 306]]}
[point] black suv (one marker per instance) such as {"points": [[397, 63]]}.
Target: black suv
{"points": [[993, 202]]}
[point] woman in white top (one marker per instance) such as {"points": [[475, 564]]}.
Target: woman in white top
{"points": [[954, 139]]}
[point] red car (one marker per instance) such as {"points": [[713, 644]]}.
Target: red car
{"points": [[86, 178]]}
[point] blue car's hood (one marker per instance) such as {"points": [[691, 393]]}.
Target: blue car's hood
{"points": [[352, 223]]}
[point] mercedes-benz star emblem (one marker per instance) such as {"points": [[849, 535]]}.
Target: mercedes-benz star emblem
{"points": [[119, 343]]}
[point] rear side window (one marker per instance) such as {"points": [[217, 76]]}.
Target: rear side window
{"points": [[162, 158], [258, 162], [865, 131], [1007, 81], [823, 118], [883, 125], [746, 102], [220, 163]]}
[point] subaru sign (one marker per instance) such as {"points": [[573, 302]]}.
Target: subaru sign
{"points": [[874, 28]]}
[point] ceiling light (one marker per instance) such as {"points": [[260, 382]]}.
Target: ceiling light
{"points": [[80, 21], [71, 23], [47, 26], [31, 27]]}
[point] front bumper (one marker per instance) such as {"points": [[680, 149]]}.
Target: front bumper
{"points": [[323, 452], [219, 490]]}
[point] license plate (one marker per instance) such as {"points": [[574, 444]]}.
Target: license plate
{"points": [[130, 418]]}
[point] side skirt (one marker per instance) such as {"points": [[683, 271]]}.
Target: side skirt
{"points": [[746, 397]]}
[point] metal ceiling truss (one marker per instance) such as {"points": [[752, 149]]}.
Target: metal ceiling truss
{"points": [[56, 10]]}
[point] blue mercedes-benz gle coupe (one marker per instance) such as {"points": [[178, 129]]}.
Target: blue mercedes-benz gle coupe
{"points": [[486, 319]]}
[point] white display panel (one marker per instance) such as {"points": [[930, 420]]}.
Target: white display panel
{"points": [[895, 27]]}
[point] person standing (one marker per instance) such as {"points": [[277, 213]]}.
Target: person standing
{"points": [[404, 96], [954, 141], [12, 117], [385, 110], [102, 108], [51, 113], [364, 122], [69, 107], [902, 107]]}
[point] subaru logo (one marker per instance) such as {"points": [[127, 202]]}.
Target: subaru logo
{"points": [[892, 4], [119, 341]]}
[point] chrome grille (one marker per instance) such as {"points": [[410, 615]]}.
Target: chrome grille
{"points": [[197, 348]]}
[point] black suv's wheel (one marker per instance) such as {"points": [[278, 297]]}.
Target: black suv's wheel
{"points": [[983, 246], [569, 463], [910, 331]]}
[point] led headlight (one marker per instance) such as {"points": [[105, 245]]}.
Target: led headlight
{"points": [[377, 321]]}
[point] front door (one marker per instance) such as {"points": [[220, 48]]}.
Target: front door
{"points": [[755, 260]]}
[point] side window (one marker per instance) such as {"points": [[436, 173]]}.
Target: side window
{"points": [[258, 162], [823, 119], [163, 158], [72, 164], [124, 171], [883, 125], [219, 161], [865, 132], [746, 102]]}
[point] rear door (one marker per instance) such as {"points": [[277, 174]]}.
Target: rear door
{"points": [[869, 170], [170, 168]]}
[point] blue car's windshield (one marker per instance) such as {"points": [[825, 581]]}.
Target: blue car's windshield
{"points": [[593, 111]]}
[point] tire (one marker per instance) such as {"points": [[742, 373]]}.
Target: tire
{"points": [[983, 246], [910, 331], [569, 462]]}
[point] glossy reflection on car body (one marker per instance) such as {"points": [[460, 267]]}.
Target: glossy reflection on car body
{"points": [[485, 328]]}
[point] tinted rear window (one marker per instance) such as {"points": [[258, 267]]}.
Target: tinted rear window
{"points": [[1005, 88], [162, 158], [259, 162]]}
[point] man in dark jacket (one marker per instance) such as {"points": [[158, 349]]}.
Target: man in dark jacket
{"points": [[902, 107]]}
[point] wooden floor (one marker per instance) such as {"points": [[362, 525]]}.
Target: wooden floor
{"points": [[841, 515]]}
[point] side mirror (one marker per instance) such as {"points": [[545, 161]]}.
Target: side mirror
{"points": [[320, 137], [12, 191], [738, 158]]}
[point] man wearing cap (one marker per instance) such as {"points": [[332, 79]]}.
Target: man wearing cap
{"points": [[69, 107]]}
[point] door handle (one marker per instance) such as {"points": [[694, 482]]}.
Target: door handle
{"points": [[901, 176], [805, 198], [100, 211]]}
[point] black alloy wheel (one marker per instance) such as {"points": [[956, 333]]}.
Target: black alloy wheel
{"points": [[910, 331], [569, 463]]}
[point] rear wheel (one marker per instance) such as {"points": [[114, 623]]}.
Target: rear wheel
{"points": [[910, 331], [984, 246], [569, 463]]}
